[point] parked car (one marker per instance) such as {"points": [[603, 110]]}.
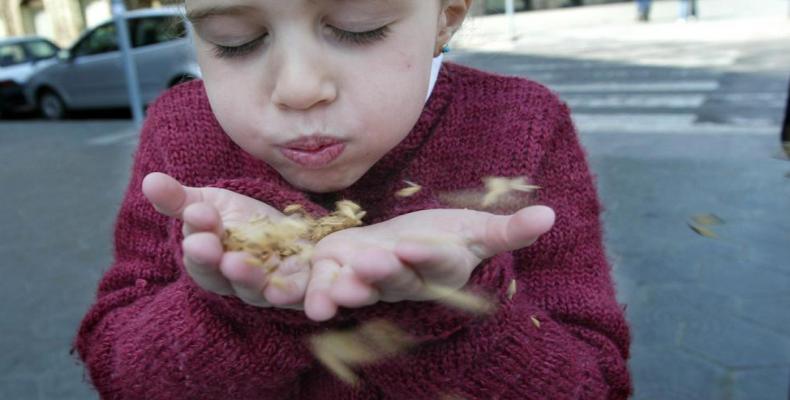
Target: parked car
{"points": [[90, 75], [20, 58]]}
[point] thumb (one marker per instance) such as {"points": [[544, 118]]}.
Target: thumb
{"points": [[503, 233], [169, 196]]}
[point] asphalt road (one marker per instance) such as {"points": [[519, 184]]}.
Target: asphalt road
{"points": [[667, 143]]}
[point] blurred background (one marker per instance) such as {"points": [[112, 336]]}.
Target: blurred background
{"points": [[681, 107]]}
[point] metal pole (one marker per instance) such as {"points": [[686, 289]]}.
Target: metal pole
{"points": [[130, 69], [510, 10]]}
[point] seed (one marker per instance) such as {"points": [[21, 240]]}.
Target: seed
{"points": [[535, 321], [707, 219], [462, 300], [511, 290], [703, 231], [341, 351], [410, 190]]}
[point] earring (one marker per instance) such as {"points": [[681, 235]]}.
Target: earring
{"points": [[446, 48]]}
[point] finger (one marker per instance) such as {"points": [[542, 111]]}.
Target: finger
{"points": [[288, 283], [202, 217], [350, 291], [502, 233], [169, 196], [248, 280], [436, 262], [382, 269], [318, 305], [202, 256]]}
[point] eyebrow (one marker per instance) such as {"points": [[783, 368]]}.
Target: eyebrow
{"points": [[201, 14]]}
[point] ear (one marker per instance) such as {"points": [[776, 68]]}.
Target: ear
{"points": [[451, 16]]}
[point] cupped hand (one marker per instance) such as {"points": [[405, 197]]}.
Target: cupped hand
{"points": [[410, 256], [205, 213]]}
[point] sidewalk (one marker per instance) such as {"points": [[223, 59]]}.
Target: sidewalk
{"points": [[678, 120], [611, 32]]}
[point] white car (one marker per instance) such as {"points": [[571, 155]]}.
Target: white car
{"points": [[20, 58], [90, 75]]}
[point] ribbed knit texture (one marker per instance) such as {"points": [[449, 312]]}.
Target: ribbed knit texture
{"points": [[153, 334]]}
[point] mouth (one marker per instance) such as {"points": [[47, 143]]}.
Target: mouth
{"points": [[313, 152]]}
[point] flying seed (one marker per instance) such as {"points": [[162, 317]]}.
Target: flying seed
{"points": [[341, 351], [410, 190], [496, 187], [461, 300], [703, 231], [707, 219], [511, 290]]}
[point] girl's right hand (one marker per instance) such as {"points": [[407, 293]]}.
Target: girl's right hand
{"points": [[205, 213]]}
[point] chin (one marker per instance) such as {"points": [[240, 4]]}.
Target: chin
{"points": [[319, 184]]}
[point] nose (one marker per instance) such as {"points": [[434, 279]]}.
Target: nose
{"points": [[303, 79]]}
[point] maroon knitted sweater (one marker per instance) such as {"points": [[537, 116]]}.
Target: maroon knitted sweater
{"points": [[154, 334]]}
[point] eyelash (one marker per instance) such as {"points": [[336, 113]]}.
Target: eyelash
{"points": [[354, 38]]}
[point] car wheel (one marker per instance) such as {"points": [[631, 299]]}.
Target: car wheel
{"points": [[51, 105]]}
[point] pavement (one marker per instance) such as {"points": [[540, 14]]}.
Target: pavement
{"points": [[673, 128], [679, 119]]}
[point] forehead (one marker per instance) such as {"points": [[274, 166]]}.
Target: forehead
{"points": [[201, 9]]}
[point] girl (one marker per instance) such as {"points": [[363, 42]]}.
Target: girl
{"points": [[312, 101]]}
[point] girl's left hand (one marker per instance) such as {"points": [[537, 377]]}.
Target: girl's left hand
{"points": [[398, 259]]}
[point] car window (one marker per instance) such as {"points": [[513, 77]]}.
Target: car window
{"points": [[155, 30], [102, 40], [12, 54], [41, 49]]}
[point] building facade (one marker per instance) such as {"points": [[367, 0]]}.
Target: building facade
{"points": [[62, 21]]}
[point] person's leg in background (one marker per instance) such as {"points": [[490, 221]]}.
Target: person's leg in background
{"points": [[643, 10], [683, 10], [786, 131]]}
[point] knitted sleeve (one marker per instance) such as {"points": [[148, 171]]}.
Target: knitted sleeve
{"points": [[153, 334], [561, 336]]}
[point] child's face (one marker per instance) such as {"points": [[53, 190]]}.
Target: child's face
{"points": [[278, 71]]}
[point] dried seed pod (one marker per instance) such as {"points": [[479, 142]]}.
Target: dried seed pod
{"points": [[347, 215], [410, 190], [293, 235]]}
